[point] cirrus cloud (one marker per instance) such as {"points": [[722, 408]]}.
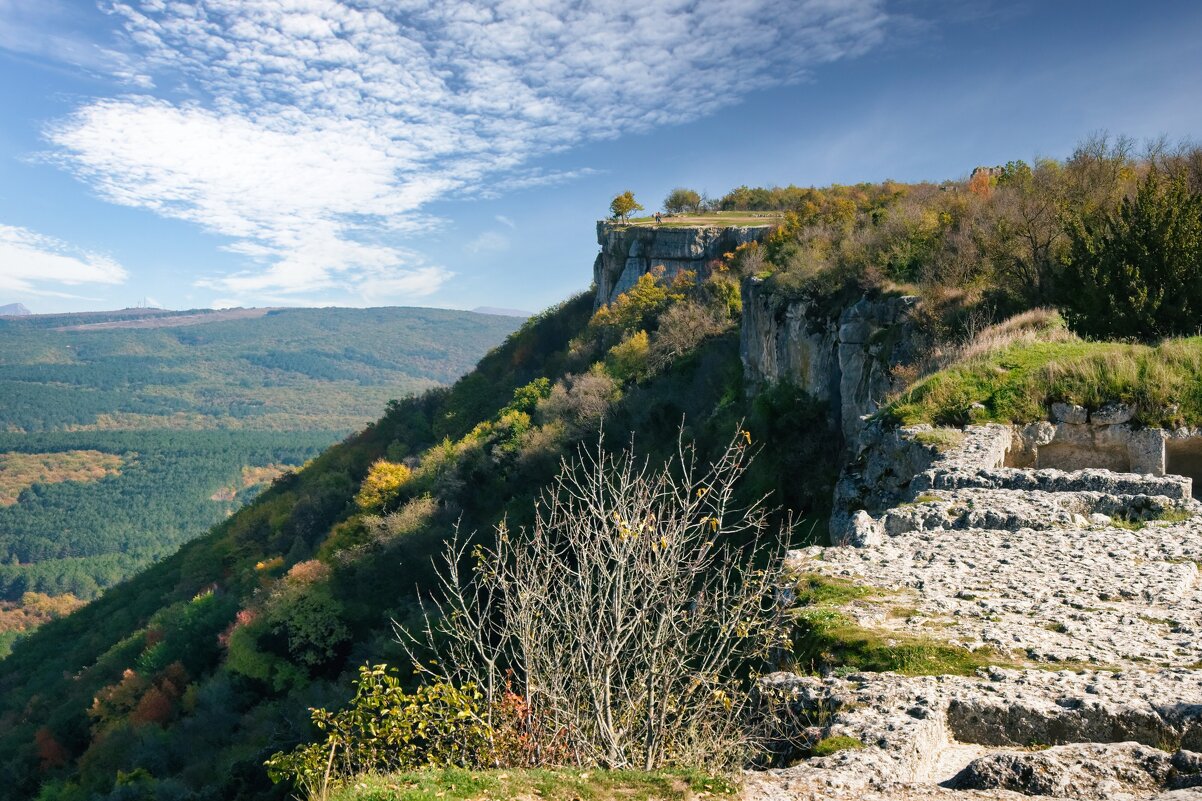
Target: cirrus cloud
{"points": [[314, 132]]}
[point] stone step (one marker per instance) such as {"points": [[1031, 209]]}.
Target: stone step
{"points": [[1102, 735], [1012, 509], [1176, 488]]}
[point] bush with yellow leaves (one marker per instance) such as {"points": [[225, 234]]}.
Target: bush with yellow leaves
{"points": [[384, 479]]}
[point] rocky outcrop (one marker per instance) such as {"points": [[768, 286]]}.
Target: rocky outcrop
{"points": [[996, 476], [1088, 735], [840, 355], [1092, 571], [1075, 439], [630, 251]]}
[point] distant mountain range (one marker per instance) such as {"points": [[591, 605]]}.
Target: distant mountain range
{"points": [[14, 310], [501, 311]]}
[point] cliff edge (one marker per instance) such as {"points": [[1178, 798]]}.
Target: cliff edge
{"points": [[629, 251]]}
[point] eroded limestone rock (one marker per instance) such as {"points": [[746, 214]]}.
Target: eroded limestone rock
{"points": [[843, 356], [1081, 735], [628, 252]]}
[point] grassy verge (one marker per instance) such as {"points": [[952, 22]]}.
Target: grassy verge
{"points": [[563, 784], [833, 745], [1015, 384]]}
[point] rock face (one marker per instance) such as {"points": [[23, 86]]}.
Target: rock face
{"points": [[1008, 477], [841, 356], [629, 251], [1002, 733]]}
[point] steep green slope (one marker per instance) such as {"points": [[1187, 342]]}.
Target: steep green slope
{"points": [[180, 682], [199, 410]]}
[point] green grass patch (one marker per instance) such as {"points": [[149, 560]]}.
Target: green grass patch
{"points": [[815, 589], [941, 439], [1174, 516], [834, 744], [1015, 384], [1167, 516], [824, 640], [561, 784]]}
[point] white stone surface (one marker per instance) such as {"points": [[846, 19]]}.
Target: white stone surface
{"points": [[1070, 572]]}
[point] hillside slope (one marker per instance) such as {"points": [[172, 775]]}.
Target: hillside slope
{"points": [[185, 678]]}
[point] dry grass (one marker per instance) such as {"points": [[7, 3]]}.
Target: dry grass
{"points": [[713, 219], [1045, 325], [18, 471], [251, 477]]}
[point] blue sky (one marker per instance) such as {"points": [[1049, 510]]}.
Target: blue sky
{"points": [[457, 152]]}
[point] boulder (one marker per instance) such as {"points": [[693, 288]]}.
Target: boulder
{"points": [[1112, 414], [1069, 413], [1071, 771]]}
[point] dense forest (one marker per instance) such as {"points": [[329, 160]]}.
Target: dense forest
{"points": [[174, 412]]}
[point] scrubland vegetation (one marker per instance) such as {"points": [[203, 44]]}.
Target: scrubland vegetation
{"points": [[288, 643], [20, 471], [1010, 239]]}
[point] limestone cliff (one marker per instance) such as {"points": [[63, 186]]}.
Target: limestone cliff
{"points": [[629, 251], [841, 355]]}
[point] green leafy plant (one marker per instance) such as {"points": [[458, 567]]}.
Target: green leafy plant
{"points": [[386, 729], [681, 200], [623, 205]]}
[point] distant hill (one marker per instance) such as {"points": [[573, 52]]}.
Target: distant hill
{"points": [[126, 433], [501, 311], [13, 310]]}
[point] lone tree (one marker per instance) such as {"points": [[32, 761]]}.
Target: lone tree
{"points": [[681, 200], [1137, 273], [623, 205]]}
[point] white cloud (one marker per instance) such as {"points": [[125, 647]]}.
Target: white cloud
{"points": [[58, 32], [503, 220], [488, 242], [319, 129], [33, 264]]}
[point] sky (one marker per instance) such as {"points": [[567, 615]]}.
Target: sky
{"points": [[457, 153]]}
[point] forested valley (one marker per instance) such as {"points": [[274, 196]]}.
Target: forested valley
{"points": [[124, 435]]}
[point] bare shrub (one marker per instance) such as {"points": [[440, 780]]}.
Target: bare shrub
{"points": [[578, 401], [411, 517], [682, 327], [628, 619]]}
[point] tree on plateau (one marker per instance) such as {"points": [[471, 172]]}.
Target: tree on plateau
{"points": [[622, 206]]}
